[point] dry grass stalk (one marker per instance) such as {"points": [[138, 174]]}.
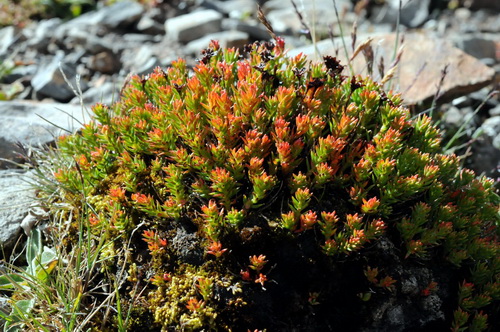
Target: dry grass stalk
{"points": [[262, 18]]}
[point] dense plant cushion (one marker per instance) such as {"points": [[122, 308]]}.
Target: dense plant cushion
{"points": [[260, 191]]}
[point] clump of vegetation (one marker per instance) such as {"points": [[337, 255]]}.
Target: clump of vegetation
{"points": [[260, 191]]}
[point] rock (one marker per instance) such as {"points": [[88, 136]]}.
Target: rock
{"points": [[495, 110], [412, 14], [188, 27], [478, 45], [105, 93], [105, 62], [32, 123], [342, 5], [137, 39], [9, 154], [226, 39], [121, 14], [489, 4], [419, 71], [317, 15], [50, 82], [485, 157], [496, 144], [91, 43], [255, 30], [15, 199], [43, 34], [7, 38], [237, 9], [455, 118], [140, 61], [491, 126], [147, 25]]}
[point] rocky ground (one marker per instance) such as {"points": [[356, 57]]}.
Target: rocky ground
{"points": [[98, 50]]}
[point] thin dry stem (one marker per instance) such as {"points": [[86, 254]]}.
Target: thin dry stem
{"points": [[262, 18]]}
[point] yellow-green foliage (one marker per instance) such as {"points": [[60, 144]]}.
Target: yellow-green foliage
{"points": [[254, 164]]}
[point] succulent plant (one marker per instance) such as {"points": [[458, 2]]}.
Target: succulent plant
{"points": [[264, 191]]}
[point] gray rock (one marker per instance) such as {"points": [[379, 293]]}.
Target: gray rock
{"points": [[491, 126], [455, 118], [342, 5], [32, 123], [253, 28], [121, 14], [485, 158], [140, 61], [496, 142], [7, 38], [188, 27], [495, 110], [20, 72], [49, 81], [106, 93], [237, 9], [478, 45], [43, 34], [138, 39], [318, 15], [15, 199], [91, 43], [226, 39], [147, 67], [413, 13], [147, 25]]}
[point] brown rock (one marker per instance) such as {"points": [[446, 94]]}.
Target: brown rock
{"points": [[418, 74], [105, 62]]}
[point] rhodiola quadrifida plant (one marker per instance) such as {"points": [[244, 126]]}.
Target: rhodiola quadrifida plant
{"points": [[261, 191]]}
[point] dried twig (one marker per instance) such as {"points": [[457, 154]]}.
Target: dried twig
{"points": [[262, 18]]}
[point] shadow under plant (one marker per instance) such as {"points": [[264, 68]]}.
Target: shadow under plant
{"points": [[266, 192]]}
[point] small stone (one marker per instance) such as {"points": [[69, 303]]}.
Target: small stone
{"points": [[50, 82], [489, 4], [188, 27], [227, 39], [319, 15], [254, 30], [461, 101], [43, 33], [105, 93], [496, 142], [495, 110], [147, 25], [7, 38], [491, 126], [477, 45], [105, 62], [121, 14]]}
